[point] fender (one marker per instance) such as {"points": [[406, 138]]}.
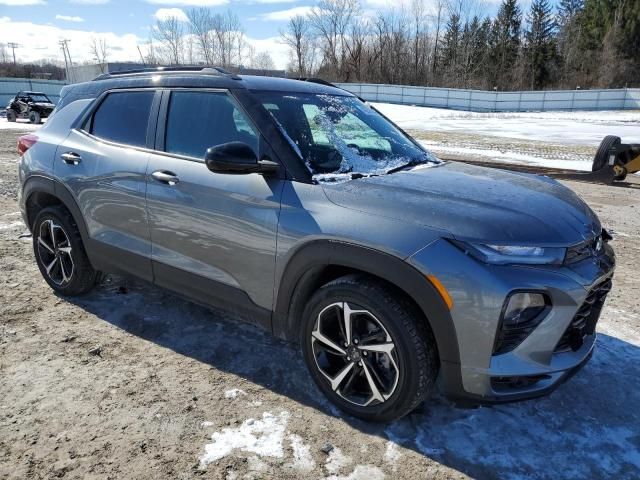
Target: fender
{"points": [[305, 267], [39, 183]]}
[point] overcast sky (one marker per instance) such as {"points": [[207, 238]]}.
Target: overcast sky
{"points": [[38, 25]]}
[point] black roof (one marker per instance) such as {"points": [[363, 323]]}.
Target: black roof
{"points": [[202, 78]]}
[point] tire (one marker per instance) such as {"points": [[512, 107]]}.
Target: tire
{"points": [[34, 117], [11, 115], [62, 262], [602, 155], [403, 374]]}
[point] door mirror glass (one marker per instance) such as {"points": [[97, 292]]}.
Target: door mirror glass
{"points": [[232, 157]]}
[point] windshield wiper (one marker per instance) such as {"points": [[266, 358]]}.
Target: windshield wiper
{"points": [[412, 163]]}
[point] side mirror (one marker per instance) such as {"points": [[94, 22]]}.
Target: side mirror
{"points": [[236, 158]]}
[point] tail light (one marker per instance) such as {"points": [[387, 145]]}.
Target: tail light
{"points": [[25, 142]]}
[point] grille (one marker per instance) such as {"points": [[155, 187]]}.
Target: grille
{"points": [[585, 319], [584, 250]]}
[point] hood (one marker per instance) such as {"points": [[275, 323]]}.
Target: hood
{"points": [[474, 203], [45, 105]]}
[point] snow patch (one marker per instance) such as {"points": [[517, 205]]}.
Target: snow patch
{"points": [[263, 437], [581, 128], [234, 393], [206, 424], [302, 458], [336, 460], [18, 125], [392, 454], [10, 225], [361, 472]]}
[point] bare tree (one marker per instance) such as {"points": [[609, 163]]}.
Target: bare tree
{"points": [[99, 51], [420, 39], [298, 36], [331, 20], [170, 33], [201, 25], [4, 54], [230, 38], [263, 61], [438, 18]]}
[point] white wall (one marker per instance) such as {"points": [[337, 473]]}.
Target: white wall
{"points": [[487, 101]]}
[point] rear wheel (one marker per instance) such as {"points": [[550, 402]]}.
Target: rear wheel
{"points": [[34, 117], [59, 252], [368, 349], [602, 155], [11, 115]]}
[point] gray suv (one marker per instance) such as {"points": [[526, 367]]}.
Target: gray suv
{"points": [[305, 210]]}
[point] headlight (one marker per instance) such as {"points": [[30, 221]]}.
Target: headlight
{"points": [[513, 254]]}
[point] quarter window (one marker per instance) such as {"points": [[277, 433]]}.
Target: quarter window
{"points": [[199, 120], [123, 118]]}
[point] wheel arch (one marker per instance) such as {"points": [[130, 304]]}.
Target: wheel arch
{"points": [[321, 261], [39, 192]]}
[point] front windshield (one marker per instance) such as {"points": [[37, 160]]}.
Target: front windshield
{"points": [[340, 135], [39, 97]]}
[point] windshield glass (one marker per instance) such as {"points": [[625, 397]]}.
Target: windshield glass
{"points": [[338, 136], [38, 97]]}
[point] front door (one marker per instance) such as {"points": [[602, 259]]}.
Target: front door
{"points": [[213, 235]]}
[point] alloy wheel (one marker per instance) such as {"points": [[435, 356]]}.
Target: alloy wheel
{"points": [[54, 250], [355, 353]]}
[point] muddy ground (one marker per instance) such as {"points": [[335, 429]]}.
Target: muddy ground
{"points": [[131, 382]]}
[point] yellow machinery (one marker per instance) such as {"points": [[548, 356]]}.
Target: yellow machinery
{"points": [[614, 159]]}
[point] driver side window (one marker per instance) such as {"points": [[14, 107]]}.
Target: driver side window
{"points": [[199, 120]]}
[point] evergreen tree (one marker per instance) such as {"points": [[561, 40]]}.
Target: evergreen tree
{"points": [[540, 48], [568, 10], [451, 44], [505, 43]]}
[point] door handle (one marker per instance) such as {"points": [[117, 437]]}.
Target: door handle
{"points": [[71, 158], [164, 176]]}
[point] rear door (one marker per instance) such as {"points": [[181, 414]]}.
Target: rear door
{"points": [[213, 234], [103, 162]]}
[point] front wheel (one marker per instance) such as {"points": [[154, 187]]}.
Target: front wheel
{"points": [[34, 117], [59, 252], [11, 115], [368, 349]]}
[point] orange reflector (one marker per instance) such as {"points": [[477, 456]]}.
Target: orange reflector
{"points": [[441, 290]]}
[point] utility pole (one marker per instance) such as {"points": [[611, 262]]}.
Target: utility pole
{"points": [[13, 46], [68, 64], [141, 56]]}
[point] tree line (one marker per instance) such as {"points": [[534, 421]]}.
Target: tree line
{"points": [[579, 44], [447, 43]]}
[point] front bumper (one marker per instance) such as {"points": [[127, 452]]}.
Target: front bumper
{"points": [[536, 366]]}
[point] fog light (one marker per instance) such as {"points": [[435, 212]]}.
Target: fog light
{"points": [[521, 314], [523, 307]]}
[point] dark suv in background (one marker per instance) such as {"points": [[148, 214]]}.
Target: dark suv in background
{"points": [[303, 207], [35, 106]]}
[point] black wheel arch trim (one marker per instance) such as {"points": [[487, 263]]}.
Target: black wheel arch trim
{"points": [[307, 263], [42, 184]]}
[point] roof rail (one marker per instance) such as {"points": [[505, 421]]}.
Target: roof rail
{"points": [[184, 68], [328, 84], [316, 80]]}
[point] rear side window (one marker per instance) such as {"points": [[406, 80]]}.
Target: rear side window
{"points": [[199, 120], [123, 118]]}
